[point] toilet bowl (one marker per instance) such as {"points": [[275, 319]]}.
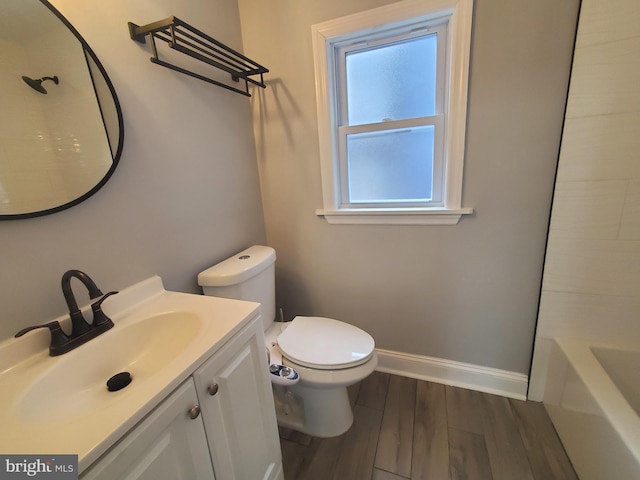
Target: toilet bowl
{"points": [[328, 355]]}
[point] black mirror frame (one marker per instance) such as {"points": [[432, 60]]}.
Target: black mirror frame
{"points": [[116, 155]]}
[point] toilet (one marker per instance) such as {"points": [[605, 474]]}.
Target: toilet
{"points": [[326, 354]]}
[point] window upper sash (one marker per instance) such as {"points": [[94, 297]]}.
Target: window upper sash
{"points": [[416, 30]]}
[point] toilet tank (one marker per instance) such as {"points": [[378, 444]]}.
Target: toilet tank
{"points": [[247, 275]]}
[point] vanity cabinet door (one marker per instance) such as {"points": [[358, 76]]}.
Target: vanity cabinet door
{"points": [[237, 407], [166, 445]]}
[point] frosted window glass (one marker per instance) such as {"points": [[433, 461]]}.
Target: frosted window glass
{"points": [[391, 166], [392, 82]]}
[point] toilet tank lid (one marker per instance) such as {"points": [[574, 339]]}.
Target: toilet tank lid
{"points": [[238, 268]]}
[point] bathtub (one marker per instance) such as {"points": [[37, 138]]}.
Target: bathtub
{"points": [[592, 394]]}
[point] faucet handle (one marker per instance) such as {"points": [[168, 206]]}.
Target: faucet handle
{"points": [[58, 337], [99, 317]]}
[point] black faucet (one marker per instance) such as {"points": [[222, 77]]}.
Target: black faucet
{"points": [[79, 325], [81, 330]]}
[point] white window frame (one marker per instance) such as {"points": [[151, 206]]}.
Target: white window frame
{"points": [[325, 37]]}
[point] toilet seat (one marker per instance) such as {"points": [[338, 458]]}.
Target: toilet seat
{"points": [[325, 344]]}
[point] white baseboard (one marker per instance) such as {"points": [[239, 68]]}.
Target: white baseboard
{"points": [[457, 374]]}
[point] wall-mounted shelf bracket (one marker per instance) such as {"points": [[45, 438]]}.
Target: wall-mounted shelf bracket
{"points": [[184, 38]]}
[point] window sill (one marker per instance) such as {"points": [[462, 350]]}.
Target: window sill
{"points": [[395, 216]]}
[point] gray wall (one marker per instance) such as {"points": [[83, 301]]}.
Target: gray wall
{"points": [[468, 292], [186, 193]]}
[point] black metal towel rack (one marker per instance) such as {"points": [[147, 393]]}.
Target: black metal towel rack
{"points": [[184, 38]]}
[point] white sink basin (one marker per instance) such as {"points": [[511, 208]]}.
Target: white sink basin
{"points": [[62, 405], [142, 348]]}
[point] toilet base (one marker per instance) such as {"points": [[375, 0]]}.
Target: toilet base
{"points": [[319, 412]]}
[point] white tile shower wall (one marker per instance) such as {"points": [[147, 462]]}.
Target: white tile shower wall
{"points": [[22, 126], [76, 131], [36, 167], [589, 209], [600, 147], [591, 284]]}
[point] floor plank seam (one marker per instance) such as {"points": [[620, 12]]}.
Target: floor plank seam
{"points": [[446, 416]]}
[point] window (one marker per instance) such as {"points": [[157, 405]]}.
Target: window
{"points": [[392, 111], [390, 126]]}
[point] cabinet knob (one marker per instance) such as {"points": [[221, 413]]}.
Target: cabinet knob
{"points": [[212, 389], [194, 412]]}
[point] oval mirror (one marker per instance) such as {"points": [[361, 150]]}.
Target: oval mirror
{"points": [[61, 128]]}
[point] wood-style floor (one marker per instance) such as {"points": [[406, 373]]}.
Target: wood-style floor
{"points": [[410, 429]]}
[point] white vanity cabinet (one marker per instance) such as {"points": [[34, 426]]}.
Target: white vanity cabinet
{"points": [[234, 435], [168, 444]]}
